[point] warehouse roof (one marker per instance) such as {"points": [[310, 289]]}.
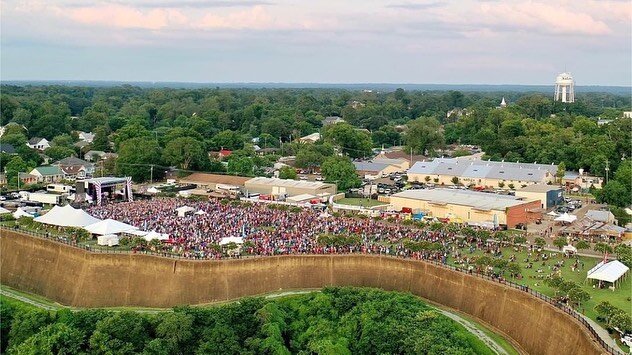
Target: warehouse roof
{"points": [[484, 169], [288, 183], [370, 166], [540, 188], [202, 178], [478, 200]]}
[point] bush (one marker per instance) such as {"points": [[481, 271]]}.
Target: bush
{"points": [[224, 201], [7, 217], [295, 209], [235, 203]]}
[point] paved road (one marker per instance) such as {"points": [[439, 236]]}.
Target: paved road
{"points": [[476, 331], [603, 334]]}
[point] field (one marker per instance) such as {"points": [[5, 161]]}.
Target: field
{"points": [[356, 201]]}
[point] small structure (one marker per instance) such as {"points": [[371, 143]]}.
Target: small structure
{"points": [[329, 120], [67, 217], [182, 211], [155, 235], [601, 216], [566, 218], [549, 195], [7, 148], [310, 138], [48, 174], [375, 170], [109, 226], [96, 189], [75, 168], [278, 187], [109, 240], [564, 88], [503, 104], [215, 182], [38, 143], [569, 250], [21, 213], [610, 272]]}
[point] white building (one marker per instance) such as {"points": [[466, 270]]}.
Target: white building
{"points": [[38, 143]]}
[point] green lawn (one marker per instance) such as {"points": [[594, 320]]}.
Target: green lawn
{"points": [[356, 201], [620, 298]]}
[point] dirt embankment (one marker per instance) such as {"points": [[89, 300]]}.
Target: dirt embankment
{"points": [[78, 278]]}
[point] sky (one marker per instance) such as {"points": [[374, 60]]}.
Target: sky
{"points": [[326, 41]]}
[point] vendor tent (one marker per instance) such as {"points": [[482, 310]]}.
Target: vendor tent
{"points": [[152, 190], [4, 210], [182, 211], [21, 213], [236, 240], [136, 233], [200, 212], [67, 217], [155, 235], [566, 218], [609, 272], [552, 213], [109, 226], [569, 249], [108, 239]]}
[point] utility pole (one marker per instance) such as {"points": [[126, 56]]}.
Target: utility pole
{"points": [[607, 170], [151, 174], [18, 181]]}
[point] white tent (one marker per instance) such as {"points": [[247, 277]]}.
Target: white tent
{"points": [[184, 193], [152, 190], [182, 211], [21, 213], [566, 218], [569, 249], [108, 226], [553, 213], [4, 210], [236, 240], [200, 213], [324, 215], [136, 233], [108, 239], [610, 272], [155, 235], [67, 217]]}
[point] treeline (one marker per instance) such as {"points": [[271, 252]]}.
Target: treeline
{"points": [[334, 321], [177, 127]]}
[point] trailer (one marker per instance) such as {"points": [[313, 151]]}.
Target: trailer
{"points": [[50, 199]]}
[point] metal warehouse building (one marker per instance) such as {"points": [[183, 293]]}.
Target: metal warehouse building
{"points": [[273, 186], [469, 206], [549, 195]]}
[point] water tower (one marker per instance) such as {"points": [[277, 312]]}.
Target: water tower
{"points": [[564, 88]]}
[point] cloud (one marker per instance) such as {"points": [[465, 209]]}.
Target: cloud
{"points": [[204, 4], [120, 16], [416, 6]]}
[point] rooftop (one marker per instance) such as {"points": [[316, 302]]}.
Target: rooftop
{"points": [[202, 178], [288, 183], [484, 169], [370, 166], [478, 200], [540, 188], [48, 170]]}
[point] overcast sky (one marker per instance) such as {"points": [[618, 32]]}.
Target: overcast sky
{"points": [[326, 41]]}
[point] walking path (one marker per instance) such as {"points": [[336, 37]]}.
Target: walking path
{"points": [[603, 334]]}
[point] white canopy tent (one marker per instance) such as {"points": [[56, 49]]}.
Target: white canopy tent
{"points": [[4, 210], [108, 239], [155, 235], [609, 272], [200, 213], [152, 190], [569, 249], [182, 211], [136, 233], [553, 213], [67, 217], [109, 226], [21, 213], [227, 240], [566, 218]]}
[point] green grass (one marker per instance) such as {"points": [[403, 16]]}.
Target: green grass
{"points": [[619, 298], [356, 201], [497, 338]]}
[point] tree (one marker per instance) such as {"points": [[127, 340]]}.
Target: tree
{"points": [[56, 338], [577, 296], [59, 152], [519, 239], [561, 171], [341, 171], [614, 193], [177, 329], [136, 158], [455, 180], [514, 269], [605, 309], [621, 321], [354, 143], [624, 254], [123, 332], [540, 242], [287, 172], [603, 248], [228, 140], [184, 152], [241, 166], [101, 140], [25, 324], [14, 166], [560, 242], [582, 245], [424, 136]]}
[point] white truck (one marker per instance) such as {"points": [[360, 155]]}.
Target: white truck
{"points": [[50, 199]]}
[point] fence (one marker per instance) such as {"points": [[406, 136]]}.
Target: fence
{"points": [[568, 310]]}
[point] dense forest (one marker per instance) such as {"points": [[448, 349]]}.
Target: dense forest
{"points": [[176, 128], [334, 321]]}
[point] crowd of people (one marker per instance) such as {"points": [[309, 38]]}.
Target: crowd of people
{"points": [[272, 231]]}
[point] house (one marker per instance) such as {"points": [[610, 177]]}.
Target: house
{"points": [[581, 180], [375, 170], [332, 120], [627, 114], [75, 168], [48, 174], [10, 124], [220, 155], [266, 151], [94, 155], [7, 148], [86, 136], [601, 216], [399, 155], [38, 143], [310, 138], [81, 144], [27, 179], [3, 179]]}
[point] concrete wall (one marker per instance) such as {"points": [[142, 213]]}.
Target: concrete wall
{"points": [[78, 278]]}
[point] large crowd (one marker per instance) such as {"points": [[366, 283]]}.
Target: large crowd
{"points": [[272, 231]]}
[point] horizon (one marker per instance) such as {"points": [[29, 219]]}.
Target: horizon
{"points": [[278, 41]]}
